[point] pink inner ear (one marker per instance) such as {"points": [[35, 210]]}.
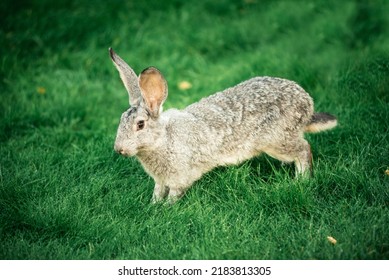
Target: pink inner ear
{"points": [[154, 89], [153, 104]]}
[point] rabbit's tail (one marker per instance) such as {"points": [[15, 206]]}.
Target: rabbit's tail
{"points": [[320, 122]]}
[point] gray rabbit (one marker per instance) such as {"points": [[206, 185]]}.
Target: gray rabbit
{"points": [[261, 115]]}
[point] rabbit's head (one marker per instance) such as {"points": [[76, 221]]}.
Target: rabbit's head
{"points": [[139, 129]]}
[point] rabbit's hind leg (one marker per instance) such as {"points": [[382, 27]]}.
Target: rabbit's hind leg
{"points": [[298, 151], [303, 160]]}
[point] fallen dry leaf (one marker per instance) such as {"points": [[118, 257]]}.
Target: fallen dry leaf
{"points": [[184, 85], [41, 90], [387, 172], [331, 240]]}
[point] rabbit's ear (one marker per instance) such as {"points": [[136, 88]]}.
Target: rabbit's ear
{"points": [[128, 76], [154, 90]]}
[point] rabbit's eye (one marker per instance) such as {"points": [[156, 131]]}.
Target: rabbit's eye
{"points": [[140, 125]]}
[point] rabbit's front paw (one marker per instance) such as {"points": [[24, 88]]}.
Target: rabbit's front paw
{"points": [[160, 192], [174, 195]]}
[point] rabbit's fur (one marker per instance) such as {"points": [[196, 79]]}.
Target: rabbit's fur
{"points": [[176, 147]]}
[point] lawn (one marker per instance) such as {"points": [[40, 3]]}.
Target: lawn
{"points": [[64, 192]]}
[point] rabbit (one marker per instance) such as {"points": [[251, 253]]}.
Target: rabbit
{"points": [[176, 147]]}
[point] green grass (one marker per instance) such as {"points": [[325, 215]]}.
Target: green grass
{"points": [[65, 194]]}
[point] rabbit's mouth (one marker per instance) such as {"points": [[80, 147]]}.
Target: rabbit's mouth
{"points": [[124, 152]]}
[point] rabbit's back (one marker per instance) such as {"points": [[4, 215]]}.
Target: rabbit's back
{"points": [[256, 104], [252, 114]]}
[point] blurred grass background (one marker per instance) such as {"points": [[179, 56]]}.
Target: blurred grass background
{"points": [[64, 193]]}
